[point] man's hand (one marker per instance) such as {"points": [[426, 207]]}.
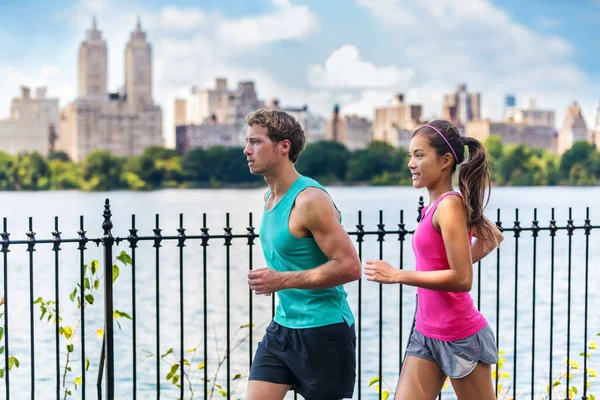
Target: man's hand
{"points": [[265, 281], [380, 271]]}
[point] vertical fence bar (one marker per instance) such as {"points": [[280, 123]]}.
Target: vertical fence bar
{"points": [[5, 243], [133, 239], [227, 244], [401, 238], [479, 285], [497, 378], [380, 239], [359, 240], [82, 240], [108, 241], [30, 250], [250, 243], [517, 235], [205, 238], [535, 230], [157, 239], [570, 229], [588, 228], [181, 245], [56, 248], [553, 229]]}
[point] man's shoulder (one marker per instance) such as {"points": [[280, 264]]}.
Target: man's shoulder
{"points": [[313, 196]]}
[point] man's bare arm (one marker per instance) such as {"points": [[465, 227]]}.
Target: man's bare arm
{"points": [[317, 215]]}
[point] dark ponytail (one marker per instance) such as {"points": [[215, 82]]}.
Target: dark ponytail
{"points": [[474, 176], [473, 180]]}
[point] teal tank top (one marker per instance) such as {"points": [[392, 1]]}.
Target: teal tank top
{"points": [[299, 308]]}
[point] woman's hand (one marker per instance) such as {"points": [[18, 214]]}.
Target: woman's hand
{"points": [[382, 272]]}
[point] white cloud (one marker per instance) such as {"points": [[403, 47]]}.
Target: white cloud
{"points": [[472, 41], [181, 19], [286, 23], [546, 22], [281, 3], [345, 69]]}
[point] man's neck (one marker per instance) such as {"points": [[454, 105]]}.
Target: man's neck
{"points": [[280, 182]]}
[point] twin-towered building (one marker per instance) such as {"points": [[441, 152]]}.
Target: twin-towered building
{"points": [[124, 122]]}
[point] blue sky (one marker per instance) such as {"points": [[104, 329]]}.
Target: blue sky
{"points": [[357, 53]]}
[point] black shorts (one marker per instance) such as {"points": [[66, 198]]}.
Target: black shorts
{"points": [[319, 363]]}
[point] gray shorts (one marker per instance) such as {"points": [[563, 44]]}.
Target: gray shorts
{"points": [[458, 358]]}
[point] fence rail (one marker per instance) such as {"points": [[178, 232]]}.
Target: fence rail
{"points": [[181, 381]]}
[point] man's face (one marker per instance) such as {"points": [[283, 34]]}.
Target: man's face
{"points": [[260, 151]]}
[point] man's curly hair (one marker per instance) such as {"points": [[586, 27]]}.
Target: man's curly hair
{"points": [[280, 126]]}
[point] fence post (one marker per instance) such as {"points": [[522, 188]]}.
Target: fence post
{"points": [[108, 242]]}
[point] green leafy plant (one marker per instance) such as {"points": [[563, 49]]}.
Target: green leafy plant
{"points": [[12, 361], [187, 368], [573, 371], [81, 297]]}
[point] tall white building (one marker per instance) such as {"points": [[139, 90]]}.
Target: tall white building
{"points": [[574, 129], [30, 123], [123, 123], [531, 116]]}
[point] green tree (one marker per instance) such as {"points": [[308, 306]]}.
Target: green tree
{"points": [[324, 160], [102, 170]]}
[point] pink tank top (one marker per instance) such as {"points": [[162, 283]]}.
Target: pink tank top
{"points": [[446, 316]]}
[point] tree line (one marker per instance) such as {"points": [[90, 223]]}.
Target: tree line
{"points": [[329, 162]]}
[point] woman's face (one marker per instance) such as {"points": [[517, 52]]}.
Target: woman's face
{"points": [[426, 167]]}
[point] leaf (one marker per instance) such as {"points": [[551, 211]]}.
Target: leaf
{"points": [[86, 283], [247, 326], [201, 365], [124, 258], [119, 314], [175, 380], [69, 348], [556, 383], [77, 382], [592, 397], [1, 373], [67, 332], [373, 381], [72, 295], [186, 362], [222, 393], [100, 333], [189, 351], [12, 361], [170, 351], [574, 389], [38, 300], [96, 284], [592, 345], [172, 372], [385, 395], [89, 298], [1, 349], [94, 266], [238, 376], [1, 333], [115, 273], [87, 363]]}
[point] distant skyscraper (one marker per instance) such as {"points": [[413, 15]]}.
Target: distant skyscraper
{"points": [[31, 125], [461, 106], [93, 65], [574, 128], [510, 100], [531, 116], [122, 123], [391, 119]]}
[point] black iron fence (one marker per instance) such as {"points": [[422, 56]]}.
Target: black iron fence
{"points": [[540, 303]]}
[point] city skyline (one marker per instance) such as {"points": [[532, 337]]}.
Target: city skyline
{"points": [[354, 53]]}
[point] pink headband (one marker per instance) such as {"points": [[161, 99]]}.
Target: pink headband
{"points": [[445, 140]]}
